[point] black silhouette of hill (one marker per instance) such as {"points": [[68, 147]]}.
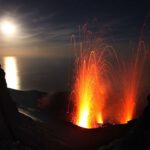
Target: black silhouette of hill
{"points": [[61, 135]]}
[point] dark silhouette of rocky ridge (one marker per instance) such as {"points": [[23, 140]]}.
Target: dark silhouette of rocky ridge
{"points": [[18, 131]]}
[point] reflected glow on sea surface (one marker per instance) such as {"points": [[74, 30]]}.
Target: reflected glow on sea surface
{"points": [[11, 70], [35, 73]]}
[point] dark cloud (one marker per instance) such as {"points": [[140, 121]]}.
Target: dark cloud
{"points": [[50, 24]]}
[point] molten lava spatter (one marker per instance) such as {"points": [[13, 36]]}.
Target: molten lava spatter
{"points": [[89, 91], [94, 98], [131, 78]]}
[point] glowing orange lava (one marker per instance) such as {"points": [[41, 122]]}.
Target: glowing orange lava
{"points": [[131, 78], [95, 100], [89, 91]]}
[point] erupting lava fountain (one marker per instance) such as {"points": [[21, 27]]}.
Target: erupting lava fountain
{"points": [[131, 79], [90, 89]]}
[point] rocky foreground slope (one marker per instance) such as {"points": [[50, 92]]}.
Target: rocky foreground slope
{"points": [[20, 132]]}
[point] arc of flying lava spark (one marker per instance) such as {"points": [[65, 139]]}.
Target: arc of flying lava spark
{"points": [[89, 91], [131, 79], [91, 85]]}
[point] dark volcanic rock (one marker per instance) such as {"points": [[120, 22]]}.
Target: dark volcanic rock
{"points": [[8, 110], [18, 131], [26, 99], [28, 103]]}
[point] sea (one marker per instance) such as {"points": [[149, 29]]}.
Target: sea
{"points": [[47, 74], [36, 73]]}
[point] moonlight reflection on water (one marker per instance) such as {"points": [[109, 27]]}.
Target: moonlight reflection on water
{"points": [[11, 69]]}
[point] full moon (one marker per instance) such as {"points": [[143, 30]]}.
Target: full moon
{"points": [[8, 28]]}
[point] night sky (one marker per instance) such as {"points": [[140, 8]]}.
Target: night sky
{"points": [[45, 26]]}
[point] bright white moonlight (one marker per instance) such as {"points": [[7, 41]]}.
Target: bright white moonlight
{"points": [[8, 28]]}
